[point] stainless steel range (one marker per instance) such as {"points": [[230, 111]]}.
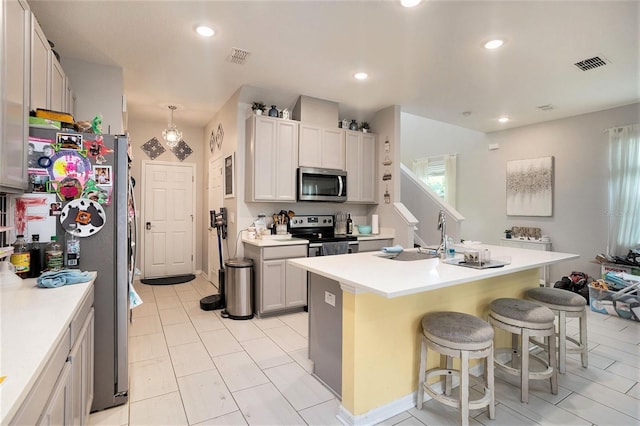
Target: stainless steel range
{"points": [[320, 231]]}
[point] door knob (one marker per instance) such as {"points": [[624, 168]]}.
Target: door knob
{"points": [[148, 226]]}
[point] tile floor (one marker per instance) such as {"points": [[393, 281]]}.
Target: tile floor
{"points": [[188, 366]]}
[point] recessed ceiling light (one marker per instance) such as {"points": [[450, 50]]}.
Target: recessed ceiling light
{"points": [[503, 119], [361, 75], [493, 44], [410, 3], [205, 31]]}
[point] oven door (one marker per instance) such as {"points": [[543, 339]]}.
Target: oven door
{"points": [[315, 184], [332, 248]]}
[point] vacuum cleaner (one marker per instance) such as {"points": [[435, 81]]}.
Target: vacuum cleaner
{"points": [[218, 221]]}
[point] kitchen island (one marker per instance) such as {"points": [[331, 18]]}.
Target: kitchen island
{"points": [[381, 304]]}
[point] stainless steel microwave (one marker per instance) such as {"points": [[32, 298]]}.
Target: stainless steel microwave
{"points": [[316, 184]]}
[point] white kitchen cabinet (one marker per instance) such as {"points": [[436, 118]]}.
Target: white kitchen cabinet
{"points": [[278, 286], [373, 245], [361, 167], [272, 159], [321, 147], [15, 35], [530, 245], [70, 98], [58, 89], [63, 392], [40, 51]]}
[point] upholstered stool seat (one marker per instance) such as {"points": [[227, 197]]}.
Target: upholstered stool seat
{"points": [[526, 319], [463, 336], [565, 304]]}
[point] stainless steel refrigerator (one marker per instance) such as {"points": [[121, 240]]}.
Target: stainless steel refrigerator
{"points": [[108, 252]]}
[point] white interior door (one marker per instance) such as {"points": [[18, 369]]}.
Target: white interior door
{"points": [[216, 199], [168, 219]]}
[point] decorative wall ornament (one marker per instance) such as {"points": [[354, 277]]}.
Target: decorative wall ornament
{"points": [[530, 187], [182, 150], [229, 176], [153, 148], [215, 140]]}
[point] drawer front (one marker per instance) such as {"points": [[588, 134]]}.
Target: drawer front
{"points": [[284, 252], [78, 320]]}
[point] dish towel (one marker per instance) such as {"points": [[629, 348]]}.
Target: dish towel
{"points": [[53, 279], [395, 249]]}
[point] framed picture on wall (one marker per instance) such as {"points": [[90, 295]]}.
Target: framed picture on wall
{"points": [[229, 176], [530, 187]]}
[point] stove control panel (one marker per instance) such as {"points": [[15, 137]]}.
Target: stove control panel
{"points": [[320, 221]]}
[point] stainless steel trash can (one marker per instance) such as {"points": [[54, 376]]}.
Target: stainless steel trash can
{"points": [[239, 288]]}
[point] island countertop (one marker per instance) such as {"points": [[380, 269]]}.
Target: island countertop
{"points": [[33, 320], [368, 272]]}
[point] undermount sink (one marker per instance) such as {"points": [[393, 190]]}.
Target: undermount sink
{"points": [[411, 255]]}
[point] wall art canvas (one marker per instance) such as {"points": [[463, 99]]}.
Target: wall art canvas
{"points": [[530, 187]]}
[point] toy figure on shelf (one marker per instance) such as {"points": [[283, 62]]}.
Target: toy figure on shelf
{"points": [[96, 124]]}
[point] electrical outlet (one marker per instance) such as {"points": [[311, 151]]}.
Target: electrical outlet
{"points": [[330, 298]]}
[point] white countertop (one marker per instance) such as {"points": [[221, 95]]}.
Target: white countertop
{"points": [[33, 320], [368, 272]]}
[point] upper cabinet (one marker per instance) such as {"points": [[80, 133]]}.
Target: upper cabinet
{"points": [[272, 159], [15, 35], [40, 51], [361, 167], [50, 87], [321, 147]]}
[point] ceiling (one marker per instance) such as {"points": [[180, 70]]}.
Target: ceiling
{"points": [[429, 59]]}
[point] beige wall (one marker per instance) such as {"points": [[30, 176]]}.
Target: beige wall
{"points": [[140, 131]]}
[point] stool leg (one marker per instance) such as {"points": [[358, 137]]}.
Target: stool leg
{"points": [[524, 366], [562, 340], [554, 365], [464, 388], [584, 354], [489, 374], [515, 355], [421, 374], [448, 378]]}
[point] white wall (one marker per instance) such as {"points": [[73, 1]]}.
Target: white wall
{"points": [[579, 146], [99, 90]]}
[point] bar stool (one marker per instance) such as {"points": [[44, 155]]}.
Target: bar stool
{"points": [[565, 304], [526, 319], [463, 336]]}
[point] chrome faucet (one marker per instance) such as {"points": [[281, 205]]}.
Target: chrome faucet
{"points": [[442, 226]]}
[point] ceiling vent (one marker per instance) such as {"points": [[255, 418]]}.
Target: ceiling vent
{"points": [[547, 107], [238, 56], [591, 63]]}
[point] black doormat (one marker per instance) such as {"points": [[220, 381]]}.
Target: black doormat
{"points": [[178, 279]]}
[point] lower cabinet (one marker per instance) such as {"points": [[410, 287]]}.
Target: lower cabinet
{"points": [[278, 287], [374, 245], [63, 393]]}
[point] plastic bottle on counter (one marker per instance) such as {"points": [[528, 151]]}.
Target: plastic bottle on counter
{"points": [[349, 224], [35, 255], [20, 258], [53, 255], [72, 256], [261, 225]]}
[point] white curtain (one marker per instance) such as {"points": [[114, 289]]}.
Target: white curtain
{"points": [[624, 189], [444, 165]]}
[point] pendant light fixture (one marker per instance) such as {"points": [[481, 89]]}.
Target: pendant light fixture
{"points": [[171, 134]]}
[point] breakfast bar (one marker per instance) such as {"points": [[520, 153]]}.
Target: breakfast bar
{"points": [[381, 302]]}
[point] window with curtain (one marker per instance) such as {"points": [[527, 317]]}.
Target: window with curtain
{"points": [[624, 189], [439, 174]]}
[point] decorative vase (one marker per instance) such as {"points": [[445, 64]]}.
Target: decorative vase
{"points": [[345, 124], [273, 112], [507, 236], [365, 130], [353, 125], [258, 111], [285, 114]]}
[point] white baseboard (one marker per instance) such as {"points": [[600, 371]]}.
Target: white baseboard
{"points": [[393, 408]]}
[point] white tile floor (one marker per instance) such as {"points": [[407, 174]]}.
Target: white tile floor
{"points": [[188, 366]]}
